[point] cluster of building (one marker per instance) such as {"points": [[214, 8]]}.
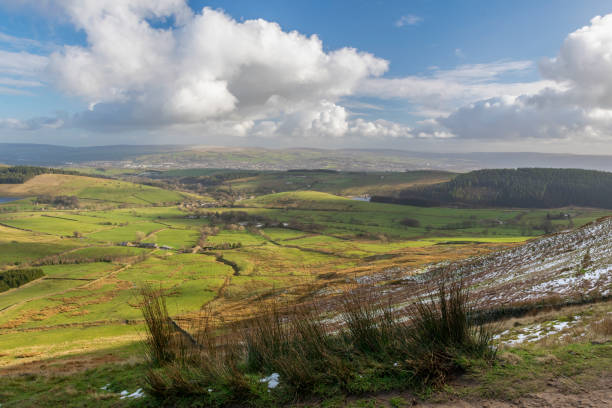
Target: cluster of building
{"points": [[148, 245]]}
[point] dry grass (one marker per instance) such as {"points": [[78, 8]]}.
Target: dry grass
{"points": [[603, 327], [43, 184], [312, 355], [161, 335], [588, 322]]}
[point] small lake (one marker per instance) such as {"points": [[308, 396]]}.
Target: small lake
{"points": [[361, 198], [8, 199]]}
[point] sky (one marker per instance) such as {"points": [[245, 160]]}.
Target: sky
{"points": [[454, 75]]}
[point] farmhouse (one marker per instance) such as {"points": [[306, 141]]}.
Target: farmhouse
{"points": [[147, 245]]}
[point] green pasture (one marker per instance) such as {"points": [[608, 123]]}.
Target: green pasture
{"points": [[36, 289], [281, 234], [97, 252], [175, 238], [345, 217], [61, 225], [236, 237], [276, 261], [15, 253], [92, 270], [128, 232], [125, 192], [64, 339]]}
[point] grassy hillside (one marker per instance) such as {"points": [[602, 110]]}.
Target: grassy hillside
{"points": [[84, 312], [89, 188], [20, 174]]}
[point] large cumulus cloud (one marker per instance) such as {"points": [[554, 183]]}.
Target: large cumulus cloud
{"points": [[149, 64], [578, 107]]}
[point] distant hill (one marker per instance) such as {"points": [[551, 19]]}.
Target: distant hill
{"points": [[260, 182], [525, 188], [252, 158], [89, 189], [51, 155]]}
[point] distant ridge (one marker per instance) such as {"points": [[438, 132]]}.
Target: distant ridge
{"points": [[53, 155], [256, 158]]}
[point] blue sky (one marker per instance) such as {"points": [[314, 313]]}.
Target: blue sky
{"points": [[484, 30], [445, 60]]}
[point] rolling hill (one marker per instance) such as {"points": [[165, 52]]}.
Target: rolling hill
{"points": [[89, 188]]}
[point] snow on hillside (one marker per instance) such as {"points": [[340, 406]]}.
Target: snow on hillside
{"points": [[570, 264], [567, 265]]}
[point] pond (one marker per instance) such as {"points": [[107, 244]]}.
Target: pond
{"points": [[8, 199]]}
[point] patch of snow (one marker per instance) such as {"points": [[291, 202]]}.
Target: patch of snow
{"points": [[139, 393], [538, 332], [500, 335], [272, 380]]}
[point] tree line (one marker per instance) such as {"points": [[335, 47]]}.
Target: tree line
{"points": [[21, 174], [524, 187], [17, 277]]}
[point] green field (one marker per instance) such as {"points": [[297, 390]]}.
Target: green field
{"points": [[283, 244]]}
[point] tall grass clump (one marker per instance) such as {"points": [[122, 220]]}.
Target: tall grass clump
{"points": [[159, 347], [365, 348], [370, 326], [442, 331], [296, 344]]}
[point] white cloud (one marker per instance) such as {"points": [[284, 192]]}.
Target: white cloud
{"points": [[31, 124], [577, 108], [208, 75], [379, 129], [408, 20], [585, 64], [21, 63], [12, 123], [19, 82], [20, 70], [442, 91], [205, 69], [17, 42]]}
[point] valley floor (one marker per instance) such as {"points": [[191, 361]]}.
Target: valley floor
{"points": [[72, 337]]}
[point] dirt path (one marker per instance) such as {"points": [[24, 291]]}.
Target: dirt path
{"points": [[221, 290], [594, 394], [150, 234], [591, 399]]}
